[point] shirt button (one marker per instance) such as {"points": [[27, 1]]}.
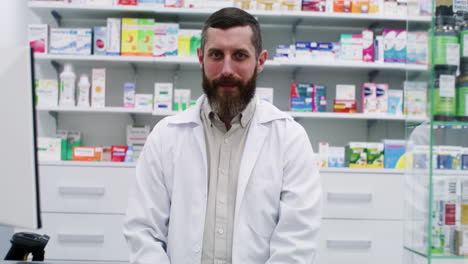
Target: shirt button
{"points": [[226, 141], [197, 249], [220, 231]]}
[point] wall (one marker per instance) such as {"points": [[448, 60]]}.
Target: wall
{"points": [[14, 19]]}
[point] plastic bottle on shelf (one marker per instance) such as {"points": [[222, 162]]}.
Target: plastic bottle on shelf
{"points": [[462, 91], [67, 86], [446, 47], [129, 154], [83, 91]]}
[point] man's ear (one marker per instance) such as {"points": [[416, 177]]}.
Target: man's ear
{"points": [[262, 58], [200, 56]]}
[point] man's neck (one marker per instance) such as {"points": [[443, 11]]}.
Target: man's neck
{"points": [[227, 121]]}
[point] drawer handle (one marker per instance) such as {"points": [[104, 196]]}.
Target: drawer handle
{"points": [[76, 190], [80, 238], [349, 244], [354, 197]]}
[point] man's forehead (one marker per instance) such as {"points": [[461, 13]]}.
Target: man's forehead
{"points": [[238, 36]]}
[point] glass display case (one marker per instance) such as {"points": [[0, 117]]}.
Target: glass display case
{"points": [[436, 159]]}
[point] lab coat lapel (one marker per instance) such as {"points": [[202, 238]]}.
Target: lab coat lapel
{"points": [[253, 145]]}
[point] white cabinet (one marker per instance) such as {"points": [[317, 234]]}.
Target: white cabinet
{"points": [[360, 242], [85, 189]]}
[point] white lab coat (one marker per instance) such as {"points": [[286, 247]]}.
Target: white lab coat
{"points": [[278, 204]]}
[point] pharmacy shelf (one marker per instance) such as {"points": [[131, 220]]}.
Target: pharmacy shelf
{"points": [[133, 164], [88, 164], [311, 115], [94, 110], [382, 116], [363, 170], [354, 65], [71, 11], [192, 62]]}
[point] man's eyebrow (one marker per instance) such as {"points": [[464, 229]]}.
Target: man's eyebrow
{"points": [[213, 49]]}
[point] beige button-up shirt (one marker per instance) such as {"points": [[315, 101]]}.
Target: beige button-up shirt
{"points": [[224, 152]]}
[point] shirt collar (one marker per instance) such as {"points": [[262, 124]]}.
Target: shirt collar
{"points": [[244, 117]]}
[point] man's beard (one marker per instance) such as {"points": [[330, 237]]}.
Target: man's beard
{"points": [[230, 103]]}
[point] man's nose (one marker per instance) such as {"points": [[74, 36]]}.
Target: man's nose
{"points": [[227, 67]]}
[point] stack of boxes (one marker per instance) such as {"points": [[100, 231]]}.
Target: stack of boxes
{"points": [[125, 37], [308, 97], [394, 46]]}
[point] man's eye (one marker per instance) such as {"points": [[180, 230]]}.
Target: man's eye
{"points": [[240, 55], [216, 54]]}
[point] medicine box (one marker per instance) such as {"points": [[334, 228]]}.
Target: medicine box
{"points": [[375, 155], [137, 135], [113, 36], [181, 99], [368, 98], [368, 45], [323, 154], [264, 93], [381, 96], [144, 101], [345, 92], [165, 39], [464, 159], [38, 37], [84, 41], [449, 157], [49, 148], [87, 153], [145, 43], [98, 89], [303, 51], [63, 41], [163, 97], [356, 155], [129, 41], [129, 95], [336, 157], [351, 47], [99, 40], [345, 106], [319, 102], [46, 92], [395, 102], [301, 104], [393, 151]]}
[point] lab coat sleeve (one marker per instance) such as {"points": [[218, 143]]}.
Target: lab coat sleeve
{"points": [[146, 221], [295, 236]]}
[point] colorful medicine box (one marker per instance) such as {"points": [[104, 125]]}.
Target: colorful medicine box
{"points": [[113, 36], [118, 153], [145, 43], [375, 155], [319, 102], [129, 41], [356, 155], [393, 150], [38, 37], [87, 154]]}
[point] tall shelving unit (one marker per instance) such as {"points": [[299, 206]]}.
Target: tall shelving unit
{"points": [[360, 204], [433, 193]]}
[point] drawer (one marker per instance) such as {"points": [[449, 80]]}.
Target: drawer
{"points": [[76, 189], [84, 237], [360, 242], [361, 195]]}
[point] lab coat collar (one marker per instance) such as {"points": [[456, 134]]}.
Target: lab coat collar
{"points": [[264, 113]]}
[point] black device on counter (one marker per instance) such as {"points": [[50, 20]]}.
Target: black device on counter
{"points": [[24, 243]]}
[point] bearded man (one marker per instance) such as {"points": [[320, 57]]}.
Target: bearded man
{"points": [[232, 179]]}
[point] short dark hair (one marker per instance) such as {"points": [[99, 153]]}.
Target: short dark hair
{"points": [[230, 17]]}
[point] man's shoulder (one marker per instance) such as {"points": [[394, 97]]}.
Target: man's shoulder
{"points": [[267, 112]]}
